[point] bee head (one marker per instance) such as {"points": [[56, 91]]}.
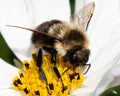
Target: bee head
{"points": [[77, 56], [80, 57]]}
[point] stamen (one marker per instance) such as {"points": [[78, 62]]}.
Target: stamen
{"points": [[37, 93], [30, 82], [20, 74], [26, 90]]}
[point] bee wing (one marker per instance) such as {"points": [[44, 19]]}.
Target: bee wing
{"points": [[83, 16]]}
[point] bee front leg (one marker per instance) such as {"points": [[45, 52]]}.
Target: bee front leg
{"points": [[39, 63], [53, 61], [53, 53]]}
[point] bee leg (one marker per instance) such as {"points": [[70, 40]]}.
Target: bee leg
{"points": [[53, 53], [39, 63], [89, 65], [38, 59], [53, 61]]}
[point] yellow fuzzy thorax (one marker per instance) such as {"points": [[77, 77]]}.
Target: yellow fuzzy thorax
{"points": [[30, 83]]}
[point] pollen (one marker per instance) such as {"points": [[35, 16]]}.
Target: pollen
{"points": [[30, 82]]}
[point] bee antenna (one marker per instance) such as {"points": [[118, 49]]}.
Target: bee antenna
{"points": [[57, 38]]}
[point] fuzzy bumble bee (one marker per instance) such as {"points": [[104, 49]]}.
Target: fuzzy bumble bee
{"points": [[67, 40]]}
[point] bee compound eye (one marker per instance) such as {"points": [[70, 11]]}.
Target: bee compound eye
{"points": [[75, 57]]}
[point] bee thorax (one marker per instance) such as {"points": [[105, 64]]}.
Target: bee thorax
{"points": [[60, 49]]}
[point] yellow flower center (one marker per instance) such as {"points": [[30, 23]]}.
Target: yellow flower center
{"points": [[30, 82]]}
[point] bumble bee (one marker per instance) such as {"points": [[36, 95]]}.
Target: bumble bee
{"points": [[68, 40]]}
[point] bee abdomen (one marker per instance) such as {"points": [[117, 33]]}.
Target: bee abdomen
{"points": [[41, 38]]}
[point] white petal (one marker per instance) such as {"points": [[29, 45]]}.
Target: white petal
{"points": [[14, 13], [46, 10], [9, 92], [107, 79], [7, 73]]}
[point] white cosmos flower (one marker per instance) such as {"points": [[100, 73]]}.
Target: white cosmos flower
{"points": [[103, 32]]}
